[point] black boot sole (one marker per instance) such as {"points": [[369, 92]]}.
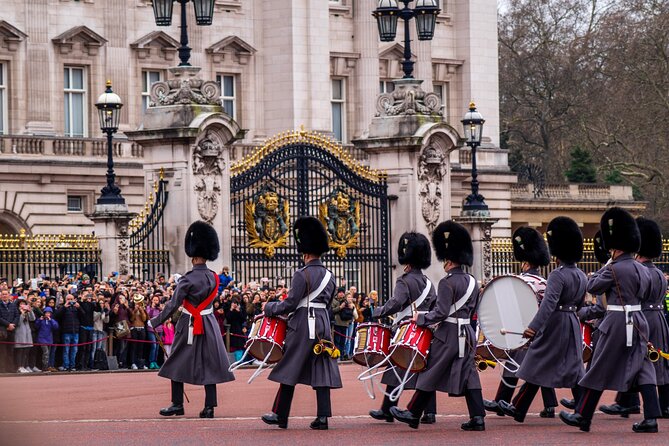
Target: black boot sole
{"points": [[172, 414]]}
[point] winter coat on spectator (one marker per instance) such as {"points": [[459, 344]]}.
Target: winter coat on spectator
{"points": [[70, 318], [45, 330], [168, 334], [88, 309], [220, 318], [23, 336], [152, 312], [100, 318], [9, 313], [236, 320], [224, 281]]}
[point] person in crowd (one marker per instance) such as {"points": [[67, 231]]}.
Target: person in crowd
{"points": [[138, 320], [219, 314], [9, 318], [100, 320], [168, 336], [121, 311], [225, 279], [236, 318], [70, 316], [88, 308], [152, 311], [23, 337], [46, 326], [342, 307]]}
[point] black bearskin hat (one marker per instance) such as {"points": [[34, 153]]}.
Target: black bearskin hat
{"points": [[619, 230], [601, 253], [651, 238], [529, 246], [414, 249], [565, 239], [202, 241], [310, 236], [452, 242]]}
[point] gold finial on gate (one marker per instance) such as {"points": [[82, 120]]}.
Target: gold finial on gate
{"points": [[162, 173]]}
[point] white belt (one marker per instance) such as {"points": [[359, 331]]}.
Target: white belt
{"points": [[629, 323], [204, 312], [462, 335], [305, 302]]}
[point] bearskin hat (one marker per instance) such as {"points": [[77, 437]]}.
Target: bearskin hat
{"points": [[452, 242], [529, 246], [601, 253], [651, 238], [565, 239], [414, 249], [310, 236], [619, 230], [202, 241]]}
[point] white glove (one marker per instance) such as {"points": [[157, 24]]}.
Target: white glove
{"points": [[148, 324]]}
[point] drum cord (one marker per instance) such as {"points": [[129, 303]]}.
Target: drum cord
{"points": [[261, 368]]}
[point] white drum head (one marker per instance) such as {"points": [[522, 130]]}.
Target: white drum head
{"points": [[508, 303]]}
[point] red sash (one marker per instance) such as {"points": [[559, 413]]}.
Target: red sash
{"points": [[198, 328]]}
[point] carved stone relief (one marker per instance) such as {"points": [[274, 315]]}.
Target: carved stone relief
{"points": [[208, 166], [408, 99], [487, 252], [431, 171], [123, 248]]}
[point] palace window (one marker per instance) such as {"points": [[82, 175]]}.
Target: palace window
{"points": [[75, 203], [3, 98], [386, 86], [75, 101], [338, 102], [441, 90], [228, 93], [148, 78]]}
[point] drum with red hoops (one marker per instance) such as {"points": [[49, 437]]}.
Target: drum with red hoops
{"points": [[266, 339], [586, 334], [372, 344], [410, 347]]}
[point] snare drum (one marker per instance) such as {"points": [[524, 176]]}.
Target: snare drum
{"points": [[410, 346], [267, 335], [586, 334], [372, 344], [508, 303]]}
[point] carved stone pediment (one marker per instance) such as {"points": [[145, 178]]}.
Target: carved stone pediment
{"points": [[444, 69], [10, 36], [232, 48], [390, 61], [342, 64], [79, 38], [156, 44]]}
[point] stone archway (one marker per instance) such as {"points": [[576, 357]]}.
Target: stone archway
{"points": [[11, 223]]}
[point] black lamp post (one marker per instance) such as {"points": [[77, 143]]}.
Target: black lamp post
{"points": [[204, 13], [425, 12], [473, 127], [109, 110]]}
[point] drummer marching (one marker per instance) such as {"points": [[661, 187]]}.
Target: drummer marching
{"points": [[450, 365], [412, 290]]}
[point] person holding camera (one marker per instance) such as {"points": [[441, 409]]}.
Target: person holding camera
{"points": [[152, 311], [46, 326], [23, 337], [121, 312], [100, 319], [88, 307], [9, 318], [70, 316], [138, 320], [342, 308], [236, 318]]}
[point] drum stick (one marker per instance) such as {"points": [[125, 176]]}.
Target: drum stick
{"points": [[505, 332]]}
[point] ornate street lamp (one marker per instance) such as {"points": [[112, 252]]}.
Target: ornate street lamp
{"points": [[425, 13], [109, 111], [473, 128], [204, 13]]}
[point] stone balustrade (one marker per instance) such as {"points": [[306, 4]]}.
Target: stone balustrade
{"points": [[66, 147], [577, 192]]}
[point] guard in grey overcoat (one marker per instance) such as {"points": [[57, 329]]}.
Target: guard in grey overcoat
{"points": [[414, 252], [554, 358], [658, 332], [450, 364], [620, 360], [529, 248], [300, 364], [197, 358]]}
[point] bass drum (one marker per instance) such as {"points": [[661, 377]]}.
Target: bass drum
{"points": [[508, 303]]}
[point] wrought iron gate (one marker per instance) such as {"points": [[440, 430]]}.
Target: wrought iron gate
{"points": [[301, 173], [148, 255]]}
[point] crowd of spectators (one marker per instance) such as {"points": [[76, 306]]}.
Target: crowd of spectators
{"points": [[75, 322]]}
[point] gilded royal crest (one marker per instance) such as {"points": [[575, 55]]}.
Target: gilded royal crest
{"points": [[340, 214], [267, 219]]}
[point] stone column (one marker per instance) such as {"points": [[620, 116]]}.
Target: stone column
{"points": [[111, 229], [367, 67], [480, 229]]}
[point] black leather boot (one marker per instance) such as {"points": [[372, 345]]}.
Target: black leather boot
{"points": [[474, 424], [493, 406], [174, 409], [405, 416], [648, 426], [319, 424], [428, 418], [665, 412], [548, 412], [272, 418], [207, 412], [569, 404], [617, 409], [510, 410], [381, 416], [575, 419]]}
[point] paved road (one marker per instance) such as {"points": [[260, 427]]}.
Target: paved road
{"points": [[122, 409]]}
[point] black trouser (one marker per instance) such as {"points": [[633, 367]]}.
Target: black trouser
{"points": [[137, 348], [631, 399], [387, 404], [505, 393], [421, 399], [84, 351], [589, 398], [526, 394], [284, 399], [6, 357], [21, 357], [210, 398]]}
